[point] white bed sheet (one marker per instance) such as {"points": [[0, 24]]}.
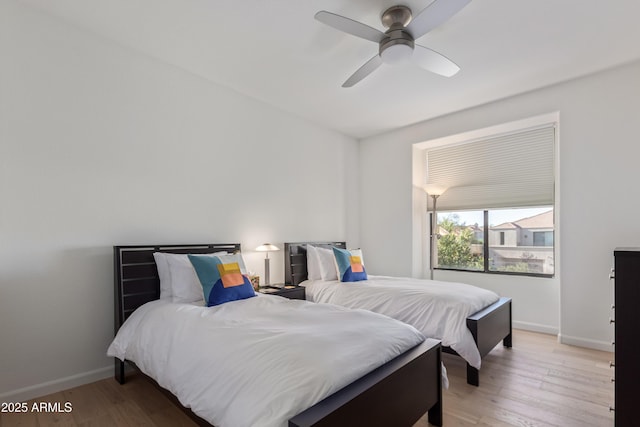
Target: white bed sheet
{"points": [[437, 309], [258, 361]]}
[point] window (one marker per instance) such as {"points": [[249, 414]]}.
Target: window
{"points": [[512, 243], [497, 213], [523, 245], [461, 241], [543, 238]]}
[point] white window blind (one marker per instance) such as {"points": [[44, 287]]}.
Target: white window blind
{"points": [[510, 170]]}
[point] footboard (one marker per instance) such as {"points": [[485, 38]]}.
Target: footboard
{"points": [[491, 325], [488, 327], [396, 394]]}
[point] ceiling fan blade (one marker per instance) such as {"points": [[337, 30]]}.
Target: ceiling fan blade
{"points": [[369, 67], [350, 26], [434, 15], [433, 61]]}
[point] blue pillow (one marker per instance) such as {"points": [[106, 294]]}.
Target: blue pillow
{"points": [[223, 278], [350, 265]]}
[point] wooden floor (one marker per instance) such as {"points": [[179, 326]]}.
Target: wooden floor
{"points": [[536, 383]]}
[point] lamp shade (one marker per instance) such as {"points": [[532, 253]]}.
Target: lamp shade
{"points": [[267, 247], [434, 189]]}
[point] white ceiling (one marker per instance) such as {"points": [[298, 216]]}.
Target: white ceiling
{"points": [[275, 51]]}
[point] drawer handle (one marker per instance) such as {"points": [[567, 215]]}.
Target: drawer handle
{"points": [[612, 320], [611, 364], [612, 409]]}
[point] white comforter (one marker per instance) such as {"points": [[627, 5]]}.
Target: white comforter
{"points": [[259, 361], [437, 309]]}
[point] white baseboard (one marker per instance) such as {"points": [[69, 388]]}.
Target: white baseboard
{"points": [[535, 327], [38, 390], [585, 342], [564, 339]]}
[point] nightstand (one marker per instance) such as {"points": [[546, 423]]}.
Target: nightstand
{"points": [[291, 292]]}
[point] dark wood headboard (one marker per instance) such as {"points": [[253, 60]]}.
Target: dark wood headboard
{"points": [[295, 259], [136, 275]]}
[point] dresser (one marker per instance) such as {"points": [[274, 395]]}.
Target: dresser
{"points": [[626, 323]]}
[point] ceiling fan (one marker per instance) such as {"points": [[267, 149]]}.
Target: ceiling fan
{"points": [[397, 44]]}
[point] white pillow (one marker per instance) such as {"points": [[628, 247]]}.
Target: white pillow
{"points": [[163, 273], [313, 265], [182, 285], [327, 264]]}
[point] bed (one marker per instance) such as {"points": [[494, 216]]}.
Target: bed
{"points": [[486, 325], [397, 392]]}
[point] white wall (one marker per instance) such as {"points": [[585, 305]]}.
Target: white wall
{"points": [[101, 145], [596, 209]]}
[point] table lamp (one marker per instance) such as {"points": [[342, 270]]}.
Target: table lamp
{"points": [[267, 247]]}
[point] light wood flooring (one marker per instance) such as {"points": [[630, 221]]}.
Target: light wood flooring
{"points": [[538, 382]]}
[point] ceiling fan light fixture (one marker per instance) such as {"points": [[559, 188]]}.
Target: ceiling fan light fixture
{"points": [[396, 53]]}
